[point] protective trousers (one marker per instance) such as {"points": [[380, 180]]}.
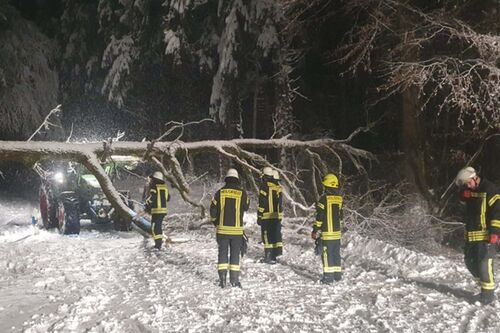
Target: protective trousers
{"points": [[229, 246], [479, 261], [272, 238], [331, 260], [156, 229]]}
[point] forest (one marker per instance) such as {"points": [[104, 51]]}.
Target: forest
{"points": [[401, 94]]}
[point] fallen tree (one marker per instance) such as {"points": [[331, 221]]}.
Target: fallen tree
{"points": [[166, 156]]}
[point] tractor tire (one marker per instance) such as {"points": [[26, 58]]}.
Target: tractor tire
{"points": [[68, 217], [48, 208]]}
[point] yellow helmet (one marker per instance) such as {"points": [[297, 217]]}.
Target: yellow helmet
{"points": [[331, 180]]}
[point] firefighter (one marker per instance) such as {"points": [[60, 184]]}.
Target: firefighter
{"points": [[226, 212], [327, 229], [156, 205], [269, 215], [482, 227]]}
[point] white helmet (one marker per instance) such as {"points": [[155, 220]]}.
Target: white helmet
{"points": [[267, 171], [158, 175], [464, 175], [232, 173], [276, 175]]}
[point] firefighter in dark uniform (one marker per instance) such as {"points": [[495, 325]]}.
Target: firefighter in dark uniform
{"points": [[156, 205], [482, 227], [226, 212], [270, 214], [328, 228]]}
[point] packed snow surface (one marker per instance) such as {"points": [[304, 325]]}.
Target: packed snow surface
{"points": [[107, 281]]}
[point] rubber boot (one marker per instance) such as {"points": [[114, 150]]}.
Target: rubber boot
{"points": [[234, 278], [267, 257], [327, 279], [486, 297], [222, 279], [158, 244], [272, 257]]}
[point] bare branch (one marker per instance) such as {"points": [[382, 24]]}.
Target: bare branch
{"points": [[46, 124]]}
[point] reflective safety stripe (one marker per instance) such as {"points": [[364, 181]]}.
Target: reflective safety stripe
{"points": [[155, 236], [476, 236], [331, 201], [331, 235], [228, 230], [263, 193], [495, 223], [161, 199], [320, 205], [234, 268], [273, 245], [214, 202], [272, 215], [326, 268], [236, 196], [267, 245], [223, 267], [332, 269], [493, 199], [490, 285], [261, 210], [159, 211], [325, 257]]}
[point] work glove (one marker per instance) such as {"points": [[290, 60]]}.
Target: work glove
{"points": [[493, 239], [259, 221], [465, 194], [314, 235]]}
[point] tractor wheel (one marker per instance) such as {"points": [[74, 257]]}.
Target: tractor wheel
{"points": [[48, 208], [68, 218]]}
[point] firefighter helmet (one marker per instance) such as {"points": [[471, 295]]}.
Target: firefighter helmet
{"points": [[267, 171], [276, 175], [158, 175], [331, 180], [232, 173], [464, 175]]}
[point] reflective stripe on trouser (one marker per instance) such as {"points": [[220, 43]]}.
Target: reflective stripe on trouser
{"points": [[331, 259], [271, 237], [478, 257], [156, 229], [229, 255]]}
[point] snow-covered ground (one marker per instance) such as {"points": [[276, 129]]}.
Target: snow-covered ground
{"points": [[107, 281]]}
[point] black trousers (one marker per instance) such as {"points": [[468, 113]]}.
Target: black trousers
{"points": [[229, 255], [156, 229], [272, 238], [330, 258], [478, 257]]}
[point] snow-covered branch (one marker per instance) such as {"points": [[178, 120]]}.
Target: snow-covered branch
{"points": [[165, 155]]}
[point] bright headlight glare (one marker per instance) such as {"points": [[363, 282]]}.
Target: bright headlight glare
{"points": [[59, 177]]}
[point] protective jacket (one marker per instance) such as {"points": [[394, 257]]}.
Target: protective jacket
{"points": [[227, 208], [270, 201], [481, 220], [156, 203], [482, 212], [329, 215]]}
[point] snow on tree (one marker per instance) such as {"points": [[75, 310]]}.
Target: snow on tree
{"points": [[28, 79]]}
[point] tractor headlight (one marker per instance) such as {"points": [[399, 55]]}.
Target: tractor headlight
{"points": [[59, 177]]}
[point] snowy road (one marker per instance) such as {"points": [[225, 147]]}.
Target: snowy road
{"points": [[104, 281]]}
